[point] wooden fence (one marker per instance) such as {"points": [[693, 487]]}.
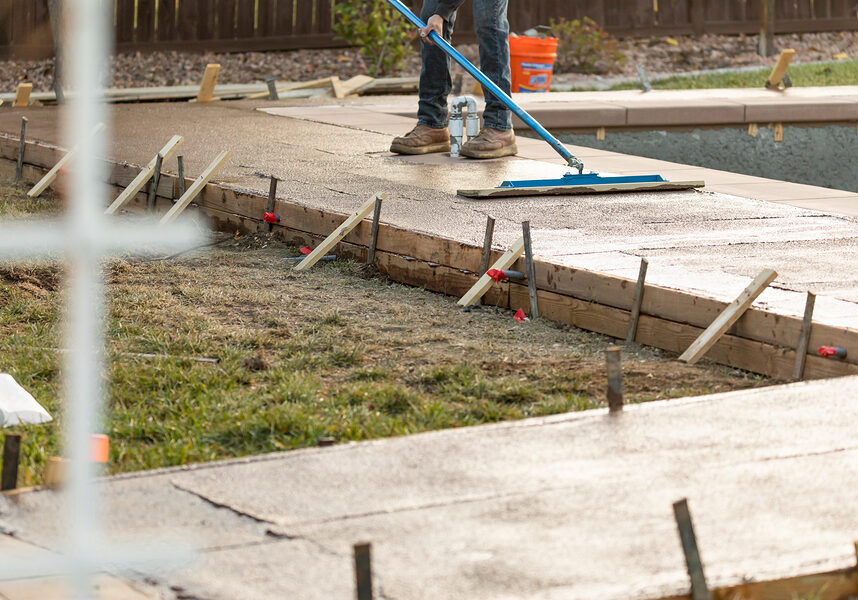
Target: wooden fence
{"points": [[243, 25]]}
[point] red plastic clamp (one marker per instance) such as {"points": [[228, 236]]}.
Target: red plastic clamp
{"points": [[271, 217]]}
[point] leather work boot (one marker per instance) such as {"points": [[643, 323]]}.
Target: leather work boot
{"points": [[491, 143], [422, 140]]}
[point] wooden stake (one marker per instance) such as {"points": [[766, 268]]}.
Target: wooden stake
{"points": [[56, 472], [531, 271], [148, 171], [730, 315], [208, 83], [196, 187], [51, 175], [753, 128], [373, 242], [778, 135], [636, 302], [363, 571], [153, 187], [600, 134], [487, 245], [337, 87], [22, 146], [272, 88], [338, 234], [22, 95], [804, 338], [699, 589], [780, 68], [272, 196], [767, 28], [483, 284], [11, 458], [613, 360], [180, 161]]}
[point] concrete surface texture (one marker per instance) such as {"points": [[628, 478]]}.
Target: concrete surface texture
{"points": [[571, 506], [821, 155], [336, 156]]}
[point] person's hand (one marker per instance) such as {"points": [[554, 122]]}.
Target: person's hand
{"points": [[436, 24]]}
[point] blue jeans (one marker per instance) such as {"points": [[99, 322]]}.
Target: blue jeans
{"points": [[435, 83]]}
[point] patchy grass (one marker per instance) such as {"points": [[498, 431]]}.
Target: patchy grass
{"points": [[836, 73], [332, 353]]}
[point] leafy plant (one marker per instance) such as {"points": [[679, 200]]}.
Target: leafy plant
{"points": [[584, 47], [380, 33]]}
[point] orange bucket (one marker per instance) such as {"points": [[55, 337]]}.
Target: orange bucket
{"points": [[532, 63]]}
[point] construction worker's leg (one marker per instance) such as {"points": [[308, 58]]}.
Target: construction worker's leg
{"points": [[492, 26], [435, 82]]}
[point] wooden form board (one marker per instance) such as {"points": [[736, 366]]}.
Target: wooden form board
{"points": [[208, 83], [730, 315], [760, 341], [198, 184], [575, 190], [339, 233], [485, 282], [22, 95], [51, 175], [780, 68], [145, 175]]}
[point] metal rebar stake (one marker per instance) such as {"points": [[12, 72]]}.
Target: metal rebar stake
{"points": [[373, 242], [531, 271], [11, 458], [272, 88], [635, 315], [153, 186], [804, 338], [22, 145], [613, 360], [699, 589], [363, 571], [272, 196]]}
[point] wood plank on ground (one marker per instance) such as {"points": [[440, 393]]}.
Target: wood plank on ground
{"points": [[208, 83], [485, 282], [22, 95], [145, 175], [730, 315], [780, 68], [339, 233], [195, 188], [51, 175]]}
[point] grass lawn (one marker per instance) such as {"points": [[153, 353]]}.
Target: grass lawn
{"points": [[838, 73], [336, 352]]}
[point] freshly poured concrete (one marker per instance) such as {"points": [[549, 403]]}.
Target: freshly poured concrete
{"points": [[575, 506], [708, 243]]}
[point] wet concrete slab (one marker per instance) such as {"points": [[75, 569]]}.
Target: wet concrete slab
{"points": [[571, 506], [333, 156]]}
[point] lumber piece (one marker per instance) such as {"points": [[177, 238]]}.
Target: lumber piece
{"points": [[485, 282], [339, 233], [780, 68], [577, 190], [51, 175], [337, 87], [730, 315], [198, 184], [831, 585], [22, 95], [391, 85], [804, 337], [145, 175], [207, 85], [357, 83]]}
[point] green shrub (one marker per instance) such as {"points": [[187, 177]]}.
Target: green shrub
{"points": [[584, 47], [378, 30]]}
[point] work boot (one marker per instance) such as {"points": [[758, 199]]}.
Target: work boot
{"points": [[491, 143], [422, 140]]}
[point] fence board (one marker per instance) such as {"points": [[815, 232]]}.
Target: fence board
{"points": [[145, 21], [283, 24], [167, 20], [233, 25]]}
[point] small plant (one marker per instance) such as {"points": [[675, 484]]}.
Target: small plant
{"points": [[376, 29], [584, 47]]}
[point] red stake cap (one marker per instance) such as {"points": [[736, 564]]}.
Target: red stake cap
{"points": [[496, 274], [305, 250], [520, 316]]}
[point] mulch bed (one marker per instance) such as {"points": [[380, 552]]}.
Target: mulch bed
{"points": [[658, 55]]}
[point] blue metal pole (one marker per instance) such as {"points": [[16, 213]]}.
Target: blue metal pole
{"points": [[498, 93]]}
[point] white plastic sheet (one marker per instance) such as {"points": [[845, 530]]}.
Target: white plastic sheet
{"points": [[17, 405]]}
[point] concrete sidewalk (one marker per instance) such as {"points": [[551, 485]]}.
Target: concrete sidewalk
{"points": [[572, 506]]}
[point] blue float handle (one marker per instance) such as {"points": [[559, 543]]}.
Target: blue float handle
{"points": [[498, 93]]}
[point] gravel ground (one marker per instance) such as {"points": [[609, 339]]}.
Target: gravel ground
{"points": [[658, 55]]}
